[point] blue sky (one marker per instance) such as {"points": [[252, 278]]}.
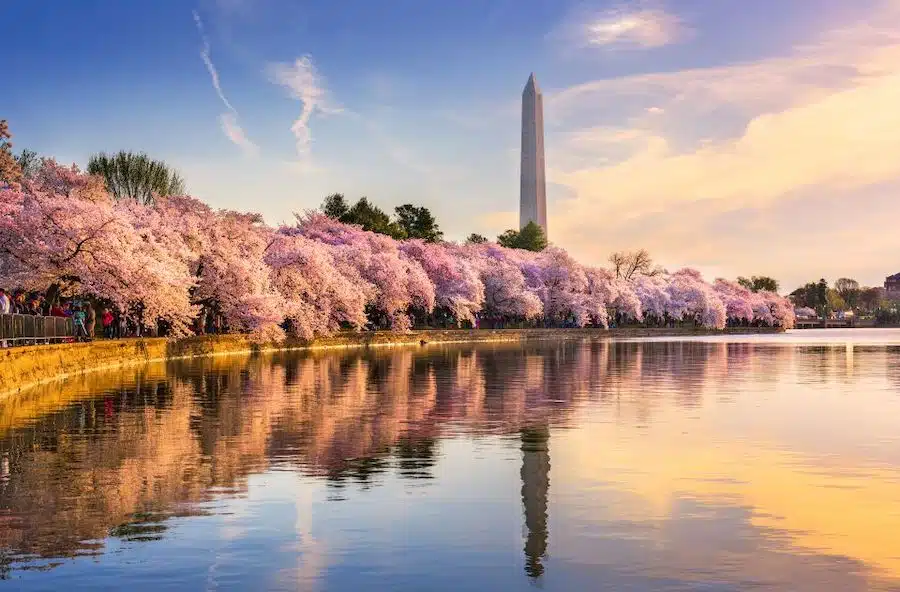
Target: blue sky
{"points": [[715, 134]]}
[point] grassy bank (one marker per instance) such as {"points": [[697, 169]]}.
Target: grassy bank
{"points": [[25, 367]]}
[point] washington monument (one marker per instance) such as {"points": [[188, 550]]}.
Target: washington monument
{"points": [[533, 195]]}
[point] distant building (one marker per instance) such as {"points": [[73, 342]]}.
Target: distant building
{"points": [[892, 285]]}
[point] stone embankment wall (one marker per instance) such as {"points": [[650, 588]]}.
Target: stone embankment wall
{"points": [[23, 367]]}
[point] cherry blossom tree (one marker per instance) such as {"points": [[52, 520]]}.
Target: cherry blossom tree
{"points": [[69, 181], [780, 308], [316, 299], [738, 300], [456, 283], [233, 277], [560, 282], [690, 298], [225, 252], [506, 295], [400, 283], [601, 290], [805, 312], [618, 294], [652, 293], [10, 171], [62, 235]]}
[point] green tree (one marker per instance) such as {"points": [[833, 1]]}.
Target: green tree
{"points": [[509, 239], [833, 301], [870, 298], [476, 239], [848, 289], [814, 295], [801, 296], [821, 295], [372, 218], [29, 163], [335, 206], [418, 222], [409, 222], [530, 238], [759, 283], [136, 176]]}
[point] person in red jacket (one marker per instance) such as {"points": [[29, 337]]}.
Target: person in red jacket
{"points": [[107, 320]]}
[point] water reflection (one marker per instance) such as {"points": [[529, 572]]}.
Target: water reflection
{"points": [[535, 486], [675, 464]]}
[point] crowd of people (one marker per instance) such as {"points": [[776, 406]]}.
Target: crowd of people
{"points": [[91, 319], [88, 319]]}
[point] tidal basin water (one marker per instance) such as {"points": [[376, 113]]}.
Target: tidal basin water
{"points": [[739, 463]]}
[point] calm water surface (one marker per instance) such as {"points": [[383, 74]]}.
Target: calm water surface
{"points": [[753, 463]]}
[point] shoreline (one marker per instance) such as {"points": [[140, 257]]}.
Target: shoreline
{"points": [[26, 367]]}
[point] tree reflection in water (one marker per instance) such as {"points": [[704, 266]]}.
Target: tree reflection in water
{"points": [[118, 454]]}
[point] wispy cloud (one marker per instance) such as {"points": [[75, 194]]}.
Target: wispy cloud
{"points": [[303, 82], [229, 120], [628, 27], [236, 134]]}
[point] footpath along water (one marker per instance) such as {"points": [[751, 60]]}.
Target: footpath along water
{"points": [[763, 462]]}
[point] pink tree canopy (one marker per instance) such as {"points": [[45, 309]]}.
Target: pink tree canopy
{"points": [[62, 231], [505, 291], [315, 298], [400, 283], [457, 286]]}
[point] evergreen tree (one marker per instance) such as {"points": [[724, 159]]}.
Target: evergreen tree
{"points": [[418, 222], [335, 206], [530, 238]]}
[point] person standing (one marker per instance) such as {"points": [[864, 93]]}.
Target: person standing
{"points": [[78, 317], [18, 303], [107, 320], [91, 319], [4, 309]]}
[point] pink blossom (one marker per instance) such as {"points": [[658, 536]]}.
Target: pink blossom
{"points": [[505, 291], [314, 298], [398, 282], [84, 243], [690, 298], [457, 286], [653, 296], [781, 309], [805, 312], [738, 300]]}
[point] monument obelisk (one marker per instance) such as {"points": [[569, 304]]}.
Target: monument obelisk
{"points": [[533, 194]]}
